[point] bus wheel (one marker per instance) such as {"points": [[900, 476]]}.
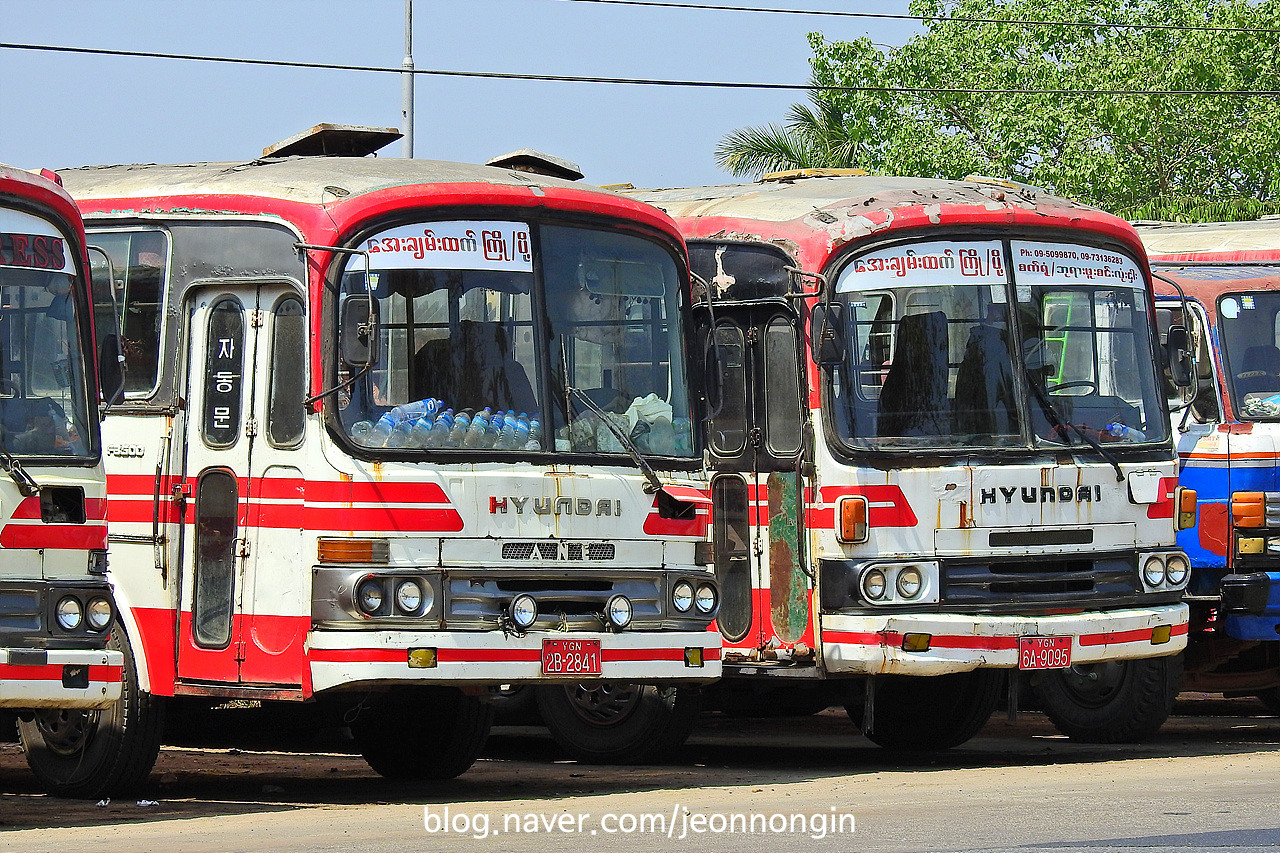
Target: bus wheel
{"points": [[1113, 701], [603, 722], [92, 754], [424, 734], [925, 713]]}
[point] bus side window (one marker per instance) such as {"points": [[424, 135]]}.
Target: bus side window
{"points": [[217, 496], [223, 374], [285, 415]]}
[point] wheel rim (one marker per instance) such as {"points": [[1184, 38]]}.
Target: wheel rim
{"points": [[604, 703], [1093, 685], [65, 732]]}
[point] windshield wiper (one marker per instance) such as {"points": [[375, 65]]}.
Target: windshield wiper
{"points": [[1052, 415], [652, 484], [9, 463]]}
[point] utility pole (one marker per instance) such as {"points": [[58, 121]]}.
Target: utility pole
{"points": [[406, 82]]}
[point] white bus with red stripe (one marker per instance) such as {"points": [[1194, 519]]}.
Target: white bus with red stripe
{"points": [[302, 510], [942, 461], [55, 605]]}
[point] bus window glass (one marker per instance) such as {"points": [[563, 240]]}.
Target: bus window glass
{"points": [[1249, 329], [783, 408], [44, 408], [728, 428], [467, 342], [223, 374], [217, 496], [139, 261], [285, 414]]}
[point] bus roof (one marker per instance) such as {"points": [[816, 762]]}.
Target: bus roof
{"points": [[44, 192], [1258, 240], [814, 215], [345, 186]]}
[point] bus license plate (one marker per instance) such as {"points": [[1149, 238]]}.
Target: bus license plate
{"points": [[570, 657], [1044, 652]]}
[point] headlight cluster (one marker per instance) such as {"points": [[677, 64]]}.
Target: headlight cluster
{"points": [[899, 583], [694, 597], [83, 612], [1164, 571], [391, 595]]}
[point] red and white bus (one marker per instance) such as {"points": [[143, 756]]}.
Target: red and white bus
{"points": [[394, 433], [940, 449], [56, 610]]}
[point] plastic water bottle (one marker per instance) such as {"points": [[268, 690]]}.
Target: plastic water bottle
{"points": [[421, 429], [461, 425], [377, 437], [360, 432], [496, 422], [1119, 430], [416, 409], [440, 429], [400, 435], [479, 426], [507, 438], [535, 434], [523, 430]]}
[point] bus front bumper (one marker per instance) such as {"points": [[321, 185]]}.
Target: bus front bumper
{"points": [[464, 658], [57, 678], [882, 644]]}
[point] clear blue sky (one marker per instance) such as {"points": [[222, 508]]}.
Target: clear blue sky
{"points": [[68, 110]]}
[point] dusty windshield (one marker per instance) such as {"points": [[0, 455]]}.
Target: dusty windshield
{"points": [[991, 344], [1249, 329], [510, 336], [43, 396]]}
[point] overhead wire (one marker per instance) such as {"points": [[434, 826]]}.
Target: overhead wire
{"points": [[638, 81]]}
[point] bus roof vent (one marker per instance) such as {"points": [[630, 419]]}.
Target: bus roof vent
{"points": [[538, 163], [334, 140], [796, 174]]}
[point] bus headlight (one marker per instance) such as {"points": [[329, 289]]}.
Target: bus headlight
{"points": [[369, 596], [69, 613], [874, 585], [618, 611], [523, 611], [1176, 570], [682, 596], [1153, 571], [909, 583], [705, 599], [409, 596], [98, 614]]}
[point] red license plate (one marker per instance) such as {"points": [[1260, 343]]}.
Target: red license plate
{"points": [[1044, 652], [570, 657]]}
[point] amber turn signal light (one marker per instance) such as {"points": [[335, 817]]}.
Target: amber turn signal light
{"points": [[353, 551], [853, 519], [1186, 501], [1248, 509]]}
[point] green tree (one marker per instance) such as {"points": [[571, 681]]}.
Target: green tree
{"points": [[1146, 156]]}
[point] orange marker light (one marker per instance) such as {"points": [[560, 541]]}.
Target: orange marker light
{"points": [[1248, 509], [353, 550], [853, 519], [1186, 502]]}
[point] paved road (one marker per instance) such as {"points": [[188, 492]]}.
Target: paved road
{"points": [[1211, 782]]}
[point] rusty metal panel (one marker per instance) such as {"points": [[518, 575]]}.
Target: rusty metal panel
{"points": [[788, 584]]}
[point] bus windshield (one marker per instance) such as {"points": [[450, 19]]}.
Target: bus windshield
{"points": [[1249, 325], [44, 408], [994, 344], [513, 336]]}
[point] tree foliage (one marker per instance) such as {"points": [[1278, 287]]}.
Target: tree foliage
{"points": [[1175, 156]]}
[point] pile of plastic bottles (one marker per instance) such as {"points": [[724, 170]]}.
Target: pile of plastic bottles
{"points": [[426, 424]]}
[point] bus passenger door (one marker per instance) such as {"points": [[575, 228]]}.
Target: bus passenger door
{"points": [[756, 442], [235, 624]]}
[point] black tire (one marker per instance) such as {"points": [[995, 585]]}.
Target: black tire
{"points": [[94, 754], [426, 734], [1271, 698], [928, 713], [602, 722], [1113, 701]]}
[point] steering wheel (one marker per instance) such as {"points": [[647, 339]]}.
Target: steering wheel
{"points": [[1078, 383]]}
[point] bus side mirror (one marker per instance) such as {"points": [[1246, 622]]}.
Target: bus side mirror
{"points": [[1182, 365], [826, 334], [358, 329], [110, 370]]}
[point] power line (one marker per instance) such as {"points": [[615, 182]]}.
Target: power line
{"points": [[640, 81], [897, 17]]}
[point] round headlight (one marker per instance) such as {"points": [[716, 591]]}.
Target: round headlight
{"points": [[98, 614], [69, 613], [874, 585], [369, 595], [618, 611], [909, 583], [1153, 571], [408, 596], [682, 596], [1177, 569], [705, 598], [524, 611]]}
